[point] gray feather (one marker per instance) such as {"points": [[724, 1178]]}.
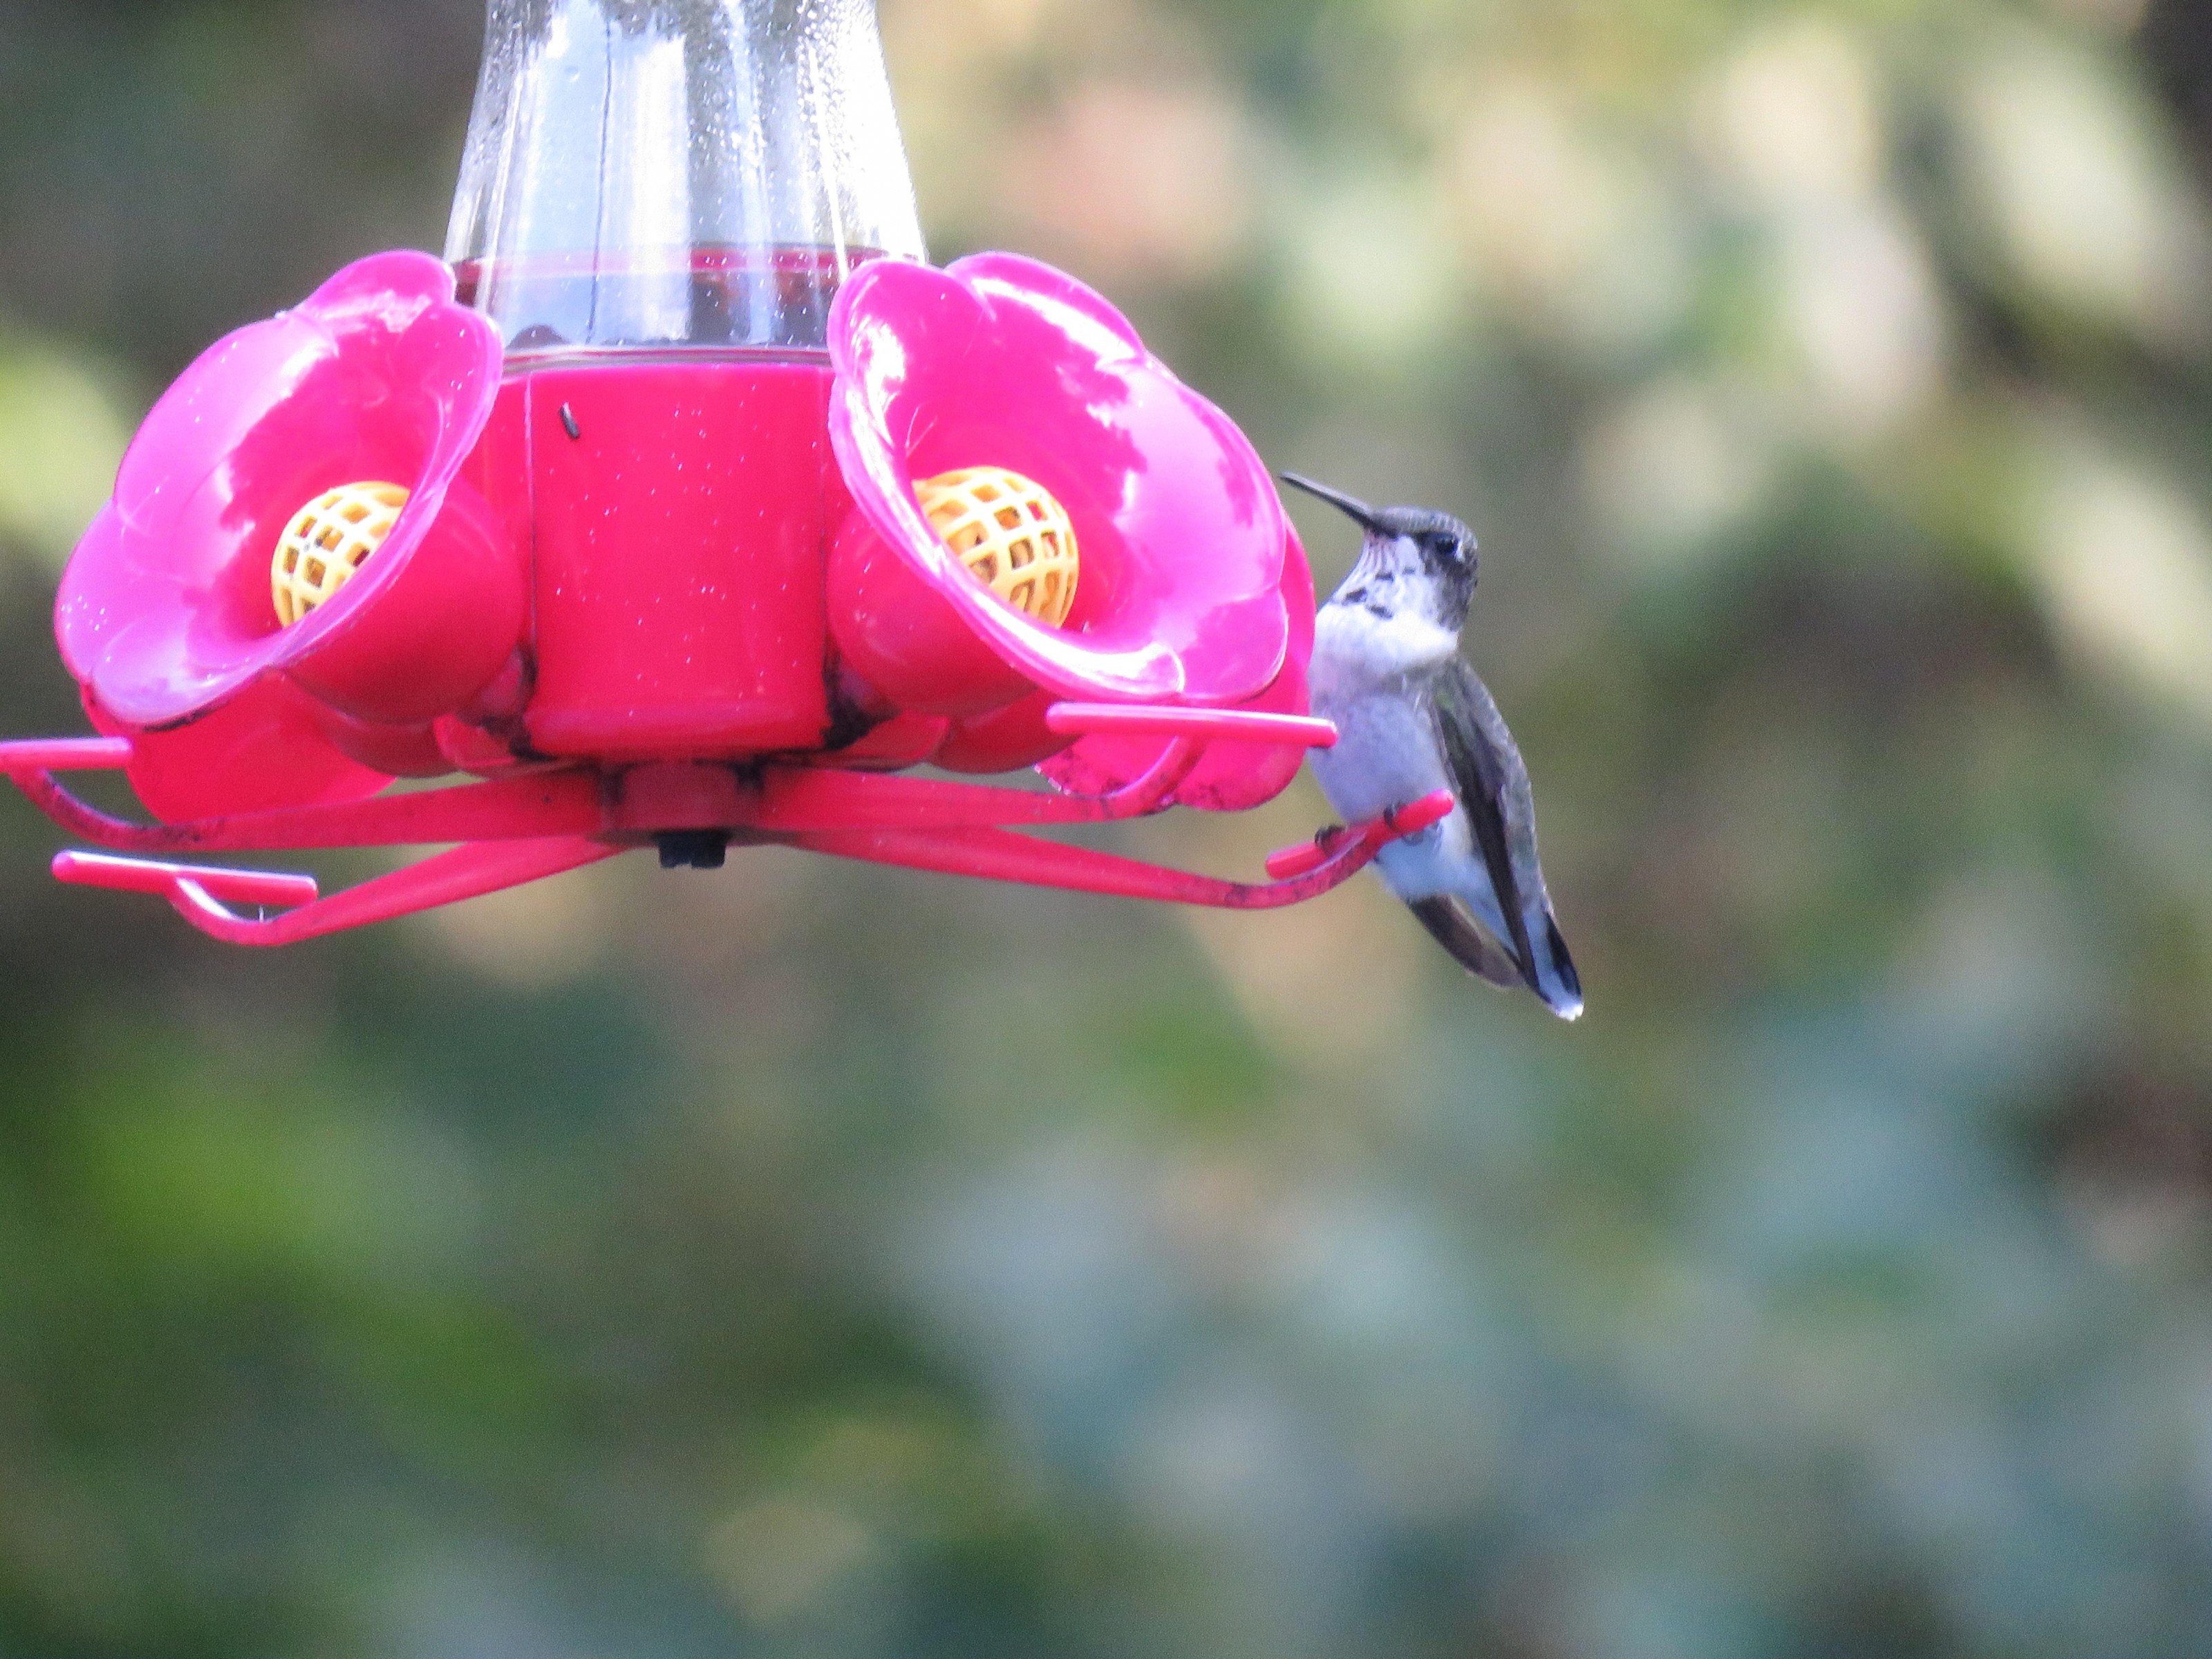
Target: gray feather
{"points": [[1469, 942], [1492, 782]]}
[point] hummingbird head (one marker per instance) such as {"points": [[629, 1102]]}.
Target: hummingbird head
{"points": [[1410, 558]]}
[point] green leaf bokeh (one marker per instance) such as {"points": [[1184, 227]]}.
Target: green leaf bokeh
{"points": [[803, 1260]]}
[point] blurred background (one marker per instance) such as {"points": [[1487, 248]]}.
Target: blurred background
{"points": [[808, 1260]]}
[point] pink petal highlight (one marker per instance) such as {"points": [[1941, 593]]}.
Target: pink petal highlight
{"points": [[999, 361], [164, 611]]}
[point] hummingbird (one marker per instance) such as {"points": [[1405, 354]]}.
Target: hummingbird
{"points": [[1413, 718]]}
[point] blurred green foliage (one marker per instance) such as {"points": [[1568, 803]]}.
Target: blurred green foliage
{"points": [[805, 1261]]}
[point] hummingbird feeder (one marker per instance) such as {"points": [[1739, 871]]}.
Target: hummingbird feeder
{"points": [[682, 506]]}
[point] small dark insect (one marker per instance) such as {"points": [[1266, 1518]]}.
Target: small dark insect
{"points": [[569, 421]]}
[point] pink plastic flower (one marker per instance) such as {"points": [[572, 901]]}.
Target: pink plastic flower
{"points": [[1233, 777], [1192, 588], [166, 616]]}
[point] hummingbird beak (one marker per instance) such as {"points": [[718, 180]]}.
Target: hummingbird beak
{"points": [[1357, 511]]}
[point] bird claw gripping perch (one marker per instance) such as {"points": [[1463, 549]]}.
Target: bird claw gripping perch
{"points": [[1406, 823]]}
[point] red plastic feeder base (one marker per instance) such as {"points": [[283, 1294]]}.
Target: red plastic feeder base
{"points": [[522, 827]]}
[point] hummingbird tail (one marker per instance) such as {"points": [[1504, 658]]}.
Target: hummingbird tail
{"points": [[1554, 978]]}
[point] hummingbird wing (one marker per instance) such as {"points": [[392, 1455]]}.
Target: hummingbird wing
{"points": [[1492, 784], [1468, 941]]}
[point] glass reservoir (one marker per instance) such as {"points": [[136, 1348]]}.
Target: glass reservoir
{"points": [[658, 202], [676, 173]]}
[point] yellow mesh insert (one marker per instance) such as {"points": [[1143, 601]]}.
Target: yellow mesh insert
{"points": [[1010, 533], [326, 542]]}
